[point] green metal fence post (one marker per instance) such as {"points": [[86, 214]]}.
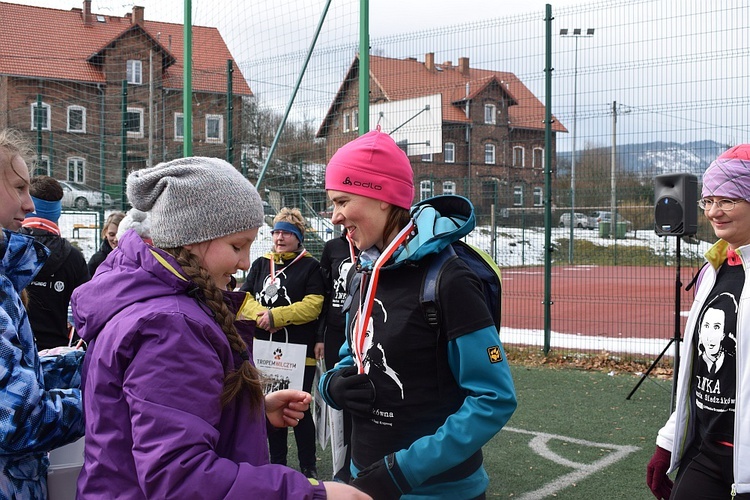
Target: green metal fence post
{"points": [[548, 179], [230, 113], [38, 113], [364, 66], [124, 139], [187, 81]]}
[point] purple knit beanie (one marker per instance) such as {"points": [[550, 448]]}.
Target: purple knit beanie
{"points": [[729, 175], [373, 166]]}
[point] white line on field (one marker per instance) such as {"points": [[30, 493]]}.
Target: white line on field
{"points": [[539, 443]]}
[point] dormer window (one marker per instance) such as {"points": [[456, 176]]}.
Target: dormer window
{"points": [[135, 72], [490, 112]]}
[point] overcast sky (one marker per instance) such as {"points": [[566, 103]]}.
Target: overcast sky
{"points": [[678, 68]]}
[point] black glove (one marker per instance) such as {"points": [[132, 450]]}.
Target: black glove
{"points": [[383, 480], [352, 391], [656, 474]]}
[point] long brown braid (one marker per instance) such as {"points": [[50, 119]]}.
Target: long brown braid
{"points": [[246, 377]]}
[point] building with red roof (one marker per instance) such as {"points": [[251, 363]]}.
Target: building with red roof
{"points": [[100, 94], [491, 129]]}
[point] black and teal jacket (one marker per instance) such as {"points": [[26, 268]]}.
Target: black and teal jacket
{"points": [[440, 396]]}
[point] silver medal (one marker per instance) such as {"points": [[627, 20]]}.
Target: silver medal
{"points": [[272, 290]]}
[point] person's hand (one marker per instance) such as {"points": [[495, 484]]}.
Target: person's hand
{"points": [[383, 479], [286, 407], [263, 320], [319, 350], [336, 490], [352, 391], [656, 474]]}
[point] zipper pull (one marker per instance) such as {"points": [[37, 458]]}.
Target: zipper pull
{"points": [[734, 490]]}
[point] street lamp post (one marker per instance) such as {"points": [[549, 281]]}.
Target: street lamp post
{"points": [[576, 34]]}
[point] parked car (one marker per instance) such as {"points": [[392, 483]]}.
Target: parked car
{"points": [[599, 216], [82, 197], [581, 220]]}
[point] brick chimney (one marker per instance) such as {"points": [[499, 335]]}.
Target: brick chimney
{"points": [[463, 65], [86, 14], [429, 61], [137, 17]]}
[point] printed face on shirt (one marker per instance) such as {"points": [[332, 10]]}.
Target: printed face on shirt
{"points": [[364, 218], [222, 257], [732, 226], [15, 200], [712, 331]]}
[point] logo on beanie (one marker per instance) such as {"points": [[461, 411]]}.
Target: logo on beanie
{"points": [[368, 185]]}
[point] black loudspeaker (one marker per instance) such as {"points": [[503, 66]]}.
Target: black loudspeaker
{"points": [[676, 204]]}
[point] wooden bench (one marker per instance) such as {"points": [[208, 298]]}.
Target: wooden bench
{"points": [[78, 227]]}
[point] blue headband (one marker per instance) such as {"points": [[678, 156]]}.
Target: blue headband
{"points": [[49, 210], [289, 228]]}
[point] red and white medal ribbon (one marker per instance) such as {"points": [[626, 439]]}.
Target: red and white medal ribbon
{"points": [[272, 287], [364, 312]]}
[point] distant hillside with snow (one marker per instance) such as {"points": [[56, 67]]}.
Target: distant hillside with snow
{"points": [[655, 158]]}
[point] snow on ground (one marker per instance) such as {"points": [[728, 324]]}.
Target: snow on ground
{"points": [[515, 247]]}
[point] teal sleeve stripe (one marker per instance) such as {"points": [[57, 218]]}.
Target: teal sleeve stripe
{"points": [[490, 402]]}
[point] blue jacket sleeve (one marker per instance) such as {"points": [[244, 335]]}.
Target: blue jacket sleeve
{"points": [[490, 402], [347, 359], [32, 418]]}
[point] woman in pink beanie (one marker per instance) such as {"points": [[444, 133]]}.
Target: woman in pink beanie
{"points": [[412, 391], [707, 438]]}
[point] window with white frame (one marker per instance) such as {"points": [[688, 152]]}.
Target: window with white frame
{"points": [[538, 197], [449, 187], [179, 126], [537, 159], [347, 125], [77, 119], [355, 119], [134, 122], [214, 128], [76, 169], [135, 72], [489, 154], [517, 196], [42, 166], [490, 113], [518, 156], [425, 190], [43, 117], [427, 157], [449, 152]]}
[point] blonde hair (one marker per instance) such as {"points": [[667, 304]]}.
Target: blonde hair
{"points": [[114, 218], [292, 216], [247, 377], [12, 144]]}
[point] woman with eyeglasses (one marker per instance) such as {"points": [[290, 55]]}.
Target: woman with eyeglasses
{"points": [[286, 292], [707, 438]]}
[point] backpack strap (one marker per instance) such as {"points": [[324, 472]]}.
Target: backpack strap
{"points": [[428, 293]]}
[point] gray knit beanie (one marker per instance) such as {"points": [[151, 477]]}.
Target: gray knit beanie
{"points": [[194, 199]]}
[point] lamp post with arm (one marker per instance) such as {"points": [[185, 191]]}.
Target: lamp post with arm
{"points": [[575, 34]]}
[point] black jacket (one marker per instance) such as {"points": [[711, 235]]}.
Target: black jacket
{"points": [[50, 291], [98, 257]]}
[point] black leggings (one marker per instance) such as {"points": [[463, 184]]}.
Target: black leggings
{"points": [[705, 476], [304, 434]]}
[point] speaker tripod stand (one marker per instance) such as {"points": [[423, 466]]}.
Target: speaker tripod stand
{"points": [[676, 338]]}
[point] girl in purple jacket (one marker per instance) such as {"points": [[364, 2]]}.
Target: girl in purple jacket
{"points": [[173, 404]]}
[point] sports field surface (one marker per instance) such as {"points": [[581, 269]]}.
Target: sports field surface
{"points": [[574, 436]]}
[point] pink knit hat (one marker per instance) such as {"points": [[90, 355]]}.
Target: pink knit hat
{"points": [[729, 174], [373, 166]]}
